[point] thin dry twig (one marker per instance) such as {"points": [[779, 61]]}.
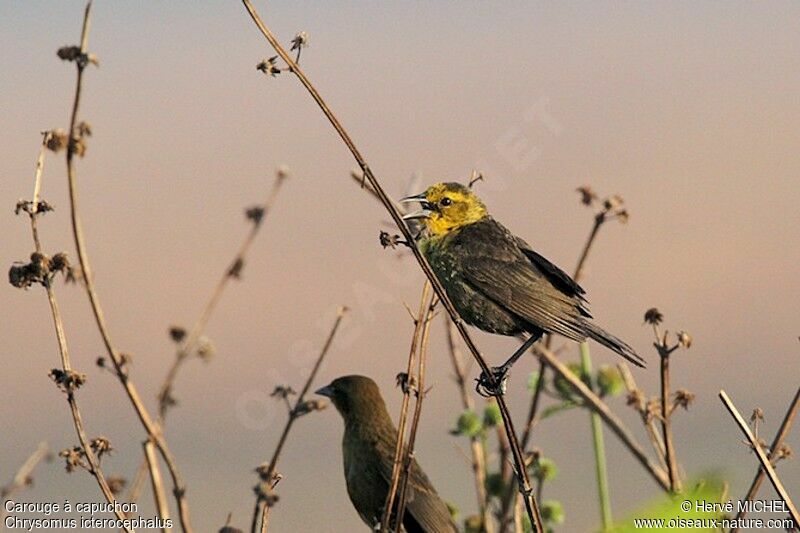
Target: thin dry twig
{"points": [[531, 505], [66, 364], [612, 420], [419, 396], [783, 431], [189, 343], [478, 461], [600, 218], [762, 456], [24, 476], [156, 481], [268, 474], [664, 353], [406, 383], [637, 399], [73, 149]]}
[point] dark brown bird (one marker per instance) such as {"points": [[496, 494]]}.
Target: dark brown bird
{"points": [[368, 447], [496, 281]]}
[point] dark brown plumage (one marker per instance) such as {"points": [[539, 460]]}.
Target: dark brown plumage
{"points": [[368, 447]]}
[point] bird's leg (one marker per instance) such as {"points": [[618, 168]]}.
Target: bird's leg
{"points": [[500, 373]]}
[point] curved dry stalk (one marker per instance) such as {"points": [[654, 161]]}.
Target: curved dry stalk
{"points": [[179, 486], [63, 349], [476, 444], [641, 407], [762, 457], [420, 395], [406, 383], [24, 476], [525, 489], [189, 344], [783, 431], [601, 408], [269, 474]]}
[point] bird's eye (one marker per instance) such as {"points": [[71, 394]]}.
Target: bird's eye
{"points": [[444, 202]]}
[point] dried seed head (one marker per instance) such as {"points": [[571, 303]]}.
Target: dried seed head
{"points": [[636, 399], [177, 333], [758, 414], [389, 241], [282, 172], [588, 196], [613, 202], [282, 392], [55, 140], [100, 446], [406, 383], [69, 53], [310, 406], [300, 41], [653, 316], [684, 339], [783, 452], [683, 398], [205, 348], [268, 66], [623, 216], [235, 271], [73, 457], [255, 213], [68, 381]]}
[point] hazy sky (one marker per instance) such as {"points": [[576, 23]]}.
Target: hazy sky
{"points": [[688, 110]]}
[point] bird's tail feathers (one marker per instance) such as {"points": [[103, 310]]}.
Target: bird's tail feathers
{"points": [[613, 343]]}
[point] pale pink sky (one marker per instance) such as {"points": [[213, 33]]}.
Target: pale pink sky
{"points": [[687, 110]]}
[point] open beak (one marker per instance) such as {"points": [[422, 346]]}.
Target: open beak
{"points": [[327, 391], [422, 213]]}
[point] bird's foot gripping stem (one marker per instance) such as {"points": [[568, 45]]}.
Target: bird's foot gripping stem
{"points": [[487, 387], [497, 387]]}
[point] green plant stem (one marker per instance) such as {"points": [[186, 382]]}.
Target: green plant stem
{"points": [[599, 448]]}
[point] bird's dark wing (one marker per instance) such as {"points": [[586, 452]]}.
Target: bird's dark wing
{"points": [[425, 511], [557, 277], [527, 285]]}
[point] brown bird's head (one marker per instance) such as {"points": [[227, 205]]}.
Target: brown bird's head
{"points": [[356, 398]]}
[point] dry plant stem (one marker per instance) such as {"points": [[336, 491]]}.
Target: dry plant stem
{"points": [[420, 395], [783, 431], [648, 421], [199, 327], [530, 422], [419, 323], [476, 444], [179, 487], [666, 421], [66, 364], [261, 509], [762, 457], [612, 420], [24, 475], [531, 505], [157, 483], [577, 275], [188, 345]]}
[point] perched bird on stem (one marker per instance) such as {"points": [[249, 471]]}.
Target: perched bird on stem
{"points": [[497, 282], [368, 447]]}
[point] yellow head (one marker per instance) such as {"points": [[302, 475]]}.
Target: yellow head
{"points": [[449, 206]]}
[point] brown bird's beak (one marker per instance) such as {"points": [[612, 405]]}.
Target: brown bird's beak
{"points": [[327, 391], [422, 213]]}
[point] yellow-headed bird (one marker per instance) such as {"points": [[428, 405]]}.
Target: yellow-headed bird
{"points": [[368, 447], [496, 281]]}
